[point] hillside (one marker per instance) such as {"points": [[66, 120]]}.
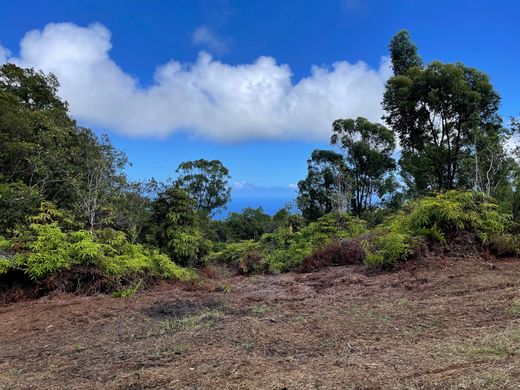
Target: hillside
{"points": [[449, 322]]}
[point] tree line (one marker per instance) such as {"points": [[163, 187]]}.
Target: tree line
{"points": [[444, 119], [441, 131]]}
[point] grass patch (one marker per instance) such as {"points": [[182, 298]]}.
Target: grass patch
{"points": [[378, 316], [129, 291], [514, 309], [262, 309], [77, 348], [498, 346], [205, 318], [172, 350]]}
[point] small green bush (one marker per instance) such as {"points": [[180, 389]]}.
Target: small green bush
{"points": [[387, 249], [129, 291], [239, 255], [456, 211], [505, 244], [5, 244], [5, 265]]}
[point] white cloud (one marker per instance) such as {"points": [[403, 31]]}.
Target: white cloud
{"points": [[203, 36], [207, 98], [4, 54]]}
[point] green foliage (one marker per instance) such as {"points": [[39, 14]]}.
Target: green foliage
{"points": [[17, 201], [177, 225], [237, 254], [250, 224], [456, 210], [387, 249], [505, 244], [5, 262], [439, 112], [368, 147], [47, 249], [403, 53], [46, 252], [5, 265], [129, 291], [5, 244], [432, 219], [206, 182], [325, 184], [285, 249]]}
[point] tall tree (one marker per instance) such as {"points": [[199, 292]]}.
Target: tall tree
{"points": [[368, 151], [325, 187], [403, 53], [98, 177], [250, 224], [177, 226], [206, 182], [36, 133], [436, 111]]}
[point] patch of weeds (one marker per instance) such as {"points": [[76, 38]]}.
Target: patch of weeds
{"points": [[378, 316], [77, 348], [262, 309], [129, 291], [514, 308], [358, 311], [174, 349], [247, 344], [226, 288], [493, 380], [497, 346], [494, 350], [205, 318], [402, 301]]}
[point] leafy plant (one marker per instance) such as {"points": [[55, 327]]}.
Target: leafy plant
{"points": [[129, 291]]}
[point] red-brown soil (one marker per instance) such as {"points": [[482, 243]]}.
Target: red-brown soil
{"points": [[435, 324]]}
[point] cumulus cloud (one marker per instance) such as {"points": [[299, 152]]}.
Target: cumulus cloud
{"points": [[4, 54], [206, 38], [207, 98]]}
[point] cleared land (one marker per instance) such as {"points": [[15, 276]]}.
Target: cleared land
{"points": [[441, 323]]}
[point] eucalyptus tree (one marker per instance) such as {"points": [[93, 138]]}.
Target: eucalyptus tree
{"points": [[368, 149]]}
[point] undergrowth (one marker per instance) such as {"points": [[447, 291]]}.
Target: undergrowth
{"points": [[45, 248], [400, 236]]}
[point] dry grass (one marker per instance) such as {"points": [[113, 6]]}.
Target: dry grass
{"points": [[436, 324]]}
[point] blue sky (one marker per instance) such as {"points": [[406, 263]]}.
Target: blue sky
{"points": [[239, 113]]}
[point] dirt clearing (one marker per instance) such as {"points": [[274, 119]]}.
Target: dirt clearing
{"points": [[436, 324]]}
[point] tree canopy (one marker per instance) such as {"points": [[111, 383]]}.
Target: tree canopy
{"points": [[206, 182]]}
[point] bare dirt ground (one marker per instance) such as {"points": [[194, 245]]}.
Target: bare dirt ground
{"points": [[436, 324]]}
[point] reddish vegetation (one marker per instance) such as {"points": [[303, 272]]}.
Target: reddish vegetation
{"points": [[338, 253], [441, 323]]}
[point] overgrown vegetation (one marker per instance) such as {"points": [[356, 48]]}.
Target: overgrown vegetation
{"points": [[65, 201], [338, 239]]}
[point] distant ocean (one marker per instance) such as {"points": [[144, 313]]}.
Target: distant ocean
{"points": [[269, 199]]}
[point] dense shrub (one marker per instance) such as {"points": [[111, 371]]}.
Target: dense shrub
{"points": [[244, 256], [505, 244], [433, 219], [285, 249], [17, 201], [457, 211], [45, 248]]}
